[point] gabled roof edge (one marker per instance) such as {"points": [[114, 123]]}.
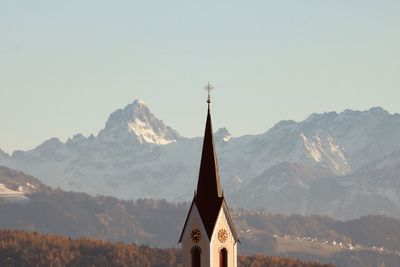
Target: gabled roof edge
{"points": [[187, 218], [230, 221]]}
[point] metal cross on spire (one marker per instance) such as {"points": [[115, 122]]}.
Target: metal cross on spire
{"points": [[209, 87]]}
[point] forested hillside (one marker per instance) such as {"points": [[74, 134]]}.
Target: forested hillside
{"points": [[22, 249]]}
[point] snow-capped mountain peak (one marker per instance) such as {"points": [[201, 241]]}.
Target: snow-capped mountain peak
{"points": [[136, 121]]}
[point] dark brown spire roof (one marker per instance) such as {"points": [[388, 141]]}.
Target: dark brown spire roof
{"points": [[208, 185], [209, 196]]}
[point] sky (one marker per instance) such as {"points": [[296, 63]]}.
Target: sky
{"points": [[66, 65]]}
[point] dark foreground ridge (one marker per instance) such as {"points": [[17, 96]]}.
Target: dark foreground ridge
{"points": [[19, 248]]}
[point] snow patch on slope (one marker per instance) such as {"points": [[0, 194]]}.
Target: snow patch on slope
{"points": [[323, 149], [147, 134], [12, 195], [312, 148]]}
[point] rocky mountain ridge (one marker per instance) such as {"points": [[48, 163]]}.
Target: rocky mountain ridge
{"points": [[330, 163]]}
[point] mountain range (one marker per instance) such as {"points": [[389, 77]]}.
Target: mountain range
{"points": [[344, 165]]}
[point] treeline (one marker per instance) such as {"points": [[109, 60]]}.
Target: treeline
{"points": [[19, 248], [158, 223]]}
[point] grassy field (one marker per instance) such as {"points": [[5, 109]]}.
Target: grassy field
{"points": [[286, 245]]}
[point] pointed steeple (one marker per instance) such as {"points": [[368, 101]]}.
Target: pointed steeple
{"points": [[209, 196], [209, 185]]}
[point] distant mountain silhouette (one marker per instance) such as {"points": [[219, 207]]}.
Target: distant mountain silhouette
{"points": [[338, 164]]}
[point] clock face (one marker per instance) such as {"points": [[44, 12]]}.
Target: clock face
{"points": [[222, 235], [195, 235]]}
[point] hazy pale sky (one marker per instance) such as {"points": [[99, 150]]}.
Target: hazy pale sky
{"points": [[66, 65]]}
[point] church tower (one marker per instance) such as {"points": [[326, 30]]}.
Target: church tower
{"points": [[208, 237]]}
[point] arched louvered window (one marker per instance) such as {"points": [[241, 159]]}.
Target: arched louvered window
{"points": [[223, 258], [196, 256]]}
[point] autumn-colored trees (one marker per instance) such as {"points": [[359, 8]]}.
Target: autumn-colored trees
{"points": [[262, 261], [18, 248]]}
